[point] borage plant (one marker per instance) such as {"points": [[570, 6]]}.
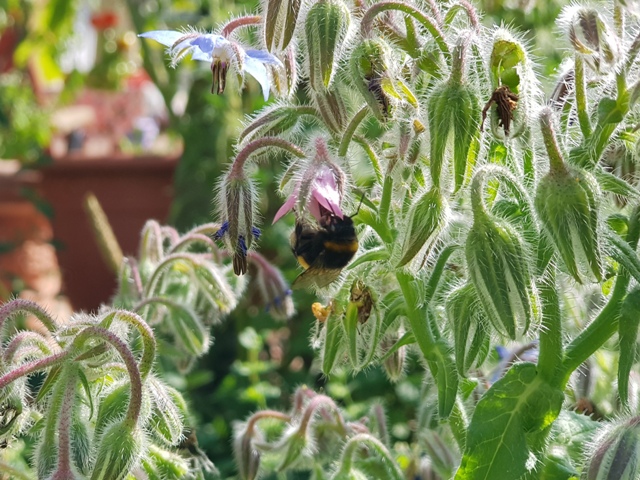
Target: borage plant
{"points": [[98, 408], [491, 220]]}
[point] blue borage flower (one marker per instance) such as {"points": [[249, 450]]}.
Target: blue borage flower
{"points": [[220, 52]]}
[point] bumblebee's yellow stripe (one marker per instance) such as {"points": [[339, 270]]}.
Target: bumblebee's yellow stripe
{"points": [[345, 247], [302, 262]]}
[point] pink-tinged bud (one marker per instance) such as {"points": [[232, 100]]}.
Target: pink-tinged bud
{"points": [[280, 17], [325, 29], [118, 451], [616, 454], [321, 187]]}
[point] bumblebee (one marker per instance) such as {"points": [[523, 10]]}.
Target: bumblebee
{"points": [[323, 250]]}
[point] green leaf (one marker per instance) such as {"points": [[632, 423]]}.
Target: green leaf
{"points": [[608, 112], [331, 343], [610, 183], [628, 335], [518, 405]]}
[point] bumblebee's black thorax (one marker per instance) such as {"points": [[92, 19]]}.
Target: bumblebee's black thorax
{"points": [[331, 246]]}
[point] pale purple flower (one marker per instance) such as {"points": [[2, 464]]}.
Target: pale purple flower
{"points": [[320, 189], [220, 52]]}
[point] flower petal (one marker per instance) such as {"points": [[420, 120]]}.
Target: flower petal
{"points": [[326, 192], [264, 57], [286, 207], [166, 37], [258, 71]]}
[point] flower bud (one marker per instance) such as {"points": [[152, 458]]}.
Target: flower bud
{"points": [[428, 216], [331, 108], [280, 17], [273, 289], [567, 204], [81, 444], [325, 29], [471, 337], [616, 453], [113, 406], [119, 449], [247, 456], [514, 85], [453, 109], [499, 270], [160, 464], [236, 200], [591, 36], [166, 421], [394, 364], [369, 64], [285, 80]]}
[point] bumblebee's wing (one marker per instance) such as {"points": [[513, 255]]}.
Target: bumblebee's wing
{"points": [[315, 277]]}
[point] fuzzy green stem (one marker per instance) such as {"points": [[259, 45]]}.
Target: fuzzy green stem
{"points": [[458, 61], [320, 401], [556, 163], [427, 22], [19, 339], [606, 323], [351, 129], [416, 315], [135, 380], [463, 6], [240, 22], [356, 442], [373, 158], [581, 96], [146, 333], [160, 269], [31, 367], [194, 239], [550, 356], [63, 469], [17, 306], [265, 142]]}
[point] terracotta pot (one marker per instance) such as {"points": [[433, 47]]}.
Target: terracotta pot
{"points": [[27, 258], [131, 190]]}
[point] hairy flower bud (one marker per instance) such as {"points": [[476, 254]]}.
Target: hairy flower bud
{"points": [[369, 64], [591, 36], [394, 364], [119, 449], [166, 421], [567, 204], [471, 337], [273, 289], [160, 464], [325, 29], [247, 456], [280, 17], [332, 109], [453, 110], [513, 83], [616, 453], [428, 216], [236, 203], [499, 269]]}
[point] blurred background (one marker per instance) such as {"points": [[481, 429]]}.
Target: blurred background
{"points": [[85, 106]]}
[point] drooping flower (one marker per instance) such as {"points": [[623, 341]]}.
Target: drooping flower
{"points": [[320, 189], [222, 53]]}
